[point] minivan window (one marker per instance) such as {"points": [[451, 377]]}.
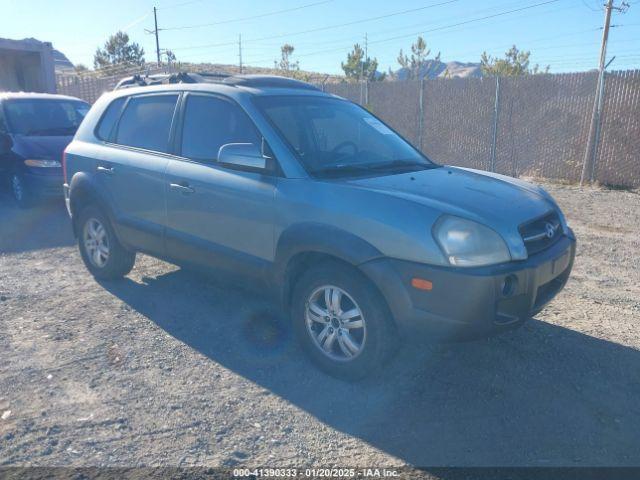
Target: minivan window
{"points": [[109, 119], [209, 123], [44, 116], [333, 137], [146, 122]]}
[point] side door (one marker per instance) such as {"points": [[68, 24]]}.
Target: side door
{"points": [[218, 216], [133, 168]]}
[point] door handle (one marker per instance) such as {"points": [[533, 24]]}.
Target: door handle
{"points": [[105, 170], [182, 188]]}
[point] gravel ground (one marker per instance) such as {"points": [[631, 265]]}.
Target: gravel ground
{"points": [[168, 367]]}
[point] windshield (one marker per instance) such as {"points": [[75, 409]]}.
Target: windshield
{"points": [[333, 137], [49, 117]]}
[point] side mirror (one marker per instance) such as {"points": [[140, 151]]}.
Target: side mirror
{"points": [[242, 156], [6, 143]]}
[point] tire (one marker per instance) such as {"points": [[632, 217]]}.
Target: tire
{"points": [[369, 346], [108, 263], [19, 191]]}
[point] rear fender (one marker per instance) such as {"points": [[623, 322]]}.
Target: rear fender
{"points": [[84, 190]]}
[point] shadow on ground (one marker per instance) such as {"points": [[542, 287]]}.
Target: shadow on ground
{"points": [[542, 395], [45, 225]]}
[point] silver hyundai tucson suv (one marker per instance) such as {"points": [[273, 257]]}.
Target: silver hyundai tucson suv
{"points": [[363, 240]]}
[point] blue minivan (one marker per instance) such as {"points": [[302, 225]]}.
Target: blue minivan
{"points": [[35, 128]]}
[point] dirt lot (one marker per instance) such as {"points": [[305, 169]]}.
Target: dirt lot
{"points": [[170, 368]]}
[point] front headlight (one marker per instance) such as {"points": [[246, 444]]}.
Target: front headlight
{"points": [[42, 163], [468, 244]]}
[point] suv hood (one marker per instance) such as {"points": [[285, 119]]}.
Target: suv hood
{"points": [[502, 203]]}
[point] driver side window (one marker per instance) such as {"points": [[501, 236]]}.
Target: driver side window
{"points": [[209, 123]]}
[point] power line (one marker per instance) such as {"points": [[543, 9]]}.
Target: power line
{"points": [[437, 28], [327, 27], [253, 17], [468, 21], [176, 5]]}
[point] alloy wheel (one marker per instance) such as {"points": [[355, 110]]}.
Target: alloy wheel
{"points": [[96, 242], [335, 323]]}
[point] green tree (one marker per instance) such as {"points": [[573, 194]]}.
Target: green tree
{"points": [[357, 67], [80, 67], [170, 56], [118, 50], [285, 63], [418, 65], [514, 63]]}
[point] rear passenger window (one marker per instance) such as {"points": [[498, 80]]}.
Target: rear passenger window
{"points": [[211, 122], [109, 119], [146, 122]]}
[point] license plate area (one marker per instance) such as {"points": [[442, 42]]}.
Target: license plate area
{"points": [[553, 268]]}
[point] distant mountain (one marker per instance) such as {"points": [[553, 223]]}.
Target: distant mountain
{"points": [[60, 60], [433, 69]]}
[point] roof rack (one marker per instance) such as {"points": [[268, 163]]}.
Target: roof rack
{"points": [[256, 81], [160, 79], [267, 81]]}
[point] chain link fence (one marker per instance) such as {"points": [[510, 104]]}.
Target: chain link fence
{"points": [[535, 125]]}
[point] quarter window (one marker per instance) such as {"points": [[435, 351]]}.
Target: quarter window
{"points": [[211, 122], [146, 122], [109, 119]]}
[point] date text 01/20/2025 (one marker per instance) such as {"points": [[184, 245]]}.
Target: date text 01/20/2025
{"points": [[315, 473]]}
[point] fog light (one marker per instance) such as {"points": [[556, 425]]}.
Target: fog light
{"points": [[509, 285]]}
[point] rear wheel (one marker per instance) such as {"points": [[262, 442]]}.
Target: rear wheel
{"points": [[101, 251], [342, 321]]}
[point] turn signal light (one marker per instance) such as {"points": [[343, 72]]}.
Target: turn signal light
{"points": [[421, 284]]}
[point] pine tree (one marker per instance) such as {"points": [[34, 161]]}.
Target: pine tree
{"points": [[359, 68], [514, 63], [418, 65], [118, 51]]}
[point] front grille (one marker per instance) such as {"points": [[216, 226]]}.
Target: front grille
{"points": [[541, 233]]}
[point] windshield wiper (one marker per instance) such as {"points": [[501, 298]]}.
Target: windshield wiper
{"points": [[400, 164], [373, 166], [343, 168]]}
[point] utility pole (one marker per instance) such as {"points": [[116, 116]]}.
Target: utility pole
{"points": [[155, 20], [240, 51], [597, 103], [155, 32]]}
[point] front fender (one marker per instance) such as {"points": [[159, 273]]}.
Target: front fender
{"points": [[317, 238]]}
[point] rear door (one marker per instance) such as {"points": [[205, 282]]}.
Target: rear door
{"points": [[134, 169], [218, 216]]}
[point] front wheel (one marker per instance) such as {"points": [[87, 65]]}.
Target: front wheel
{"points": [[342, 321], [19, 191], [101, 251]]}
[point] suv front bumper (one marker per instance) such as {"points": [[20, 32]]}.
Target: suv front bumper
{"points": [[472, 302]]}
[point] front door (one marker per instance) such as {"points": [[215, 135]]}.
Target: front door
{"points": [[216, 216]]}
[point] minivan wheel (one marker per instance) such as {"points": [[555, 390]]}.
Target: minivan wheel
{"points": [[342, 321], [101, 252], [19, 191]]}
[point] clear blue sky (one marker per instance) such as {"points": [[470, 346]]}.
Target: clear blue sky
{"points": [[564, 34]]}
